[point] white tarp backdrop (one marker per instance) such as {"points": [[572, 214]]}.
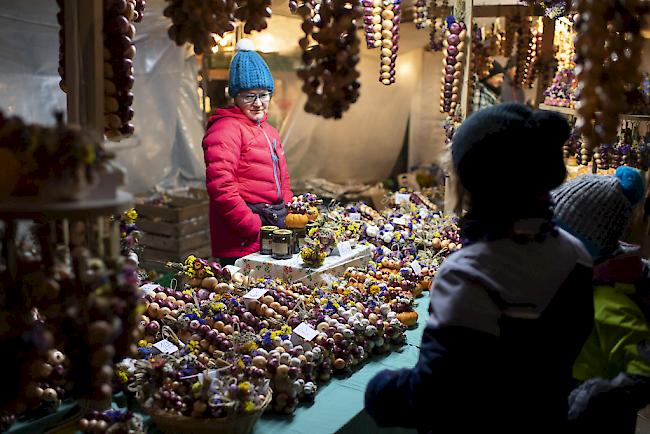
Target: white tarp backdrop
{"points": [[166, 149], [365, 144]]}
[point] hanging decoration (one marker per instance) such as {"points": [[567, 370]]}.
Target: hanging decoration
{"points": [[119, 51], [485, 46], [453, 56], [421, 14], [437, 25], [372, 22], [437, 34], [564, 43], [513, 27], [390, 14], [608, 54], [294, 4], [533, 59], [195, 21], [254, 14], [60, 18], [330, 54], [524, 38]]}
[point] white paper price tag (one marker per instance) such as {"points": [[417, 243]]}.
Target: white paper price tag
{"points": [[165, 347], [255, 293], [345, 249], [417, 269], [149, 288], [355, 216], [233, 268], [305, 331], [400, 221], [402, 197]]}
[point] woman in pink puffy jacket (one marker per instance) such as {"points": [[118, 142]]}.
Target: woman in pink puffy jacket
{"points": [[246, 172]]}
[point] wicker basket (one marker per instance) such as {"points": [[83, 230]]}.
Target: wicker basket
{"points": [[234, 424]]}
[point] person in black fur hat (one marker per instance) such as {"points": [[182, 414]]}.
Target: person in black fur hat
{"points": [[511, 310], [488, 89]]}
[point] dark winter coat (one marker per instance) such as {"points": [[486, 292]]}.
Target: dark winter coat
{"points": [[507, 321]]}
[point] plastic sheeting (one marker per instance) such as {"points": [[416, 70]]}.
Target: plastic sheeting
{"points": [[166, 147], [29, 47], [168, 119], [365, 144]]}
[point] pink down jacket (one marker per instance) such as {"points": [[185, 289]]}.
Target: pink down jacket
{"points": [[244, 163]]}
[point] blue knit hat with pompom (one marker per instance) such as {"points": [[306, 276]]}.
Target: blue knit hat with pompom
{"points": [[248, 70], [598, 208]]}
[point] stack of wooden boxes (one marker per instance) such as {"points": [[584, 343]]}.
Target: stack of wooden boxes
{"points": [[175, 229]]}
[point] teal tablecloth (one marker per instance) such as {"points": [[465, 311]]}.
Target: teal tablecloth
{"points": [[68, 411]]}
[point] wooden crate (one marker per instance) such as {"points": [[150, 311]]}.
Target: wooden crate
{"points": [[179, 209], [179, 229], [176, 244], [176, 230], [156, 259]]}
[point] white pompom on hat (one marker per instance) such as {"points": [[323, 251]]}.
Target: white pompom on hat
{"points": [[245, 44]]}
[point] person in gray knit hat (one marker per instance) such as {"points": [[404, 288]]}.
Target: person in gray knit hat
{"points": [[597, 208], [614, 364]]}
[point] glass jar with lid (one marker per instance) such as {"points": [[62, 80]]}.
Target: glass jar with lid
{"points": [[281, 245]]}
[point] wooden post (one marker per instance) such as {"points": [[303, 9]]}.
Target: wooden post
{"points": [[452, 204], [546, 56], [84, 63]]}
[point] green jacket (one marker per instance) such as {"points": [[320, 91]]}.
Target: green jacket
{"points": [[620, 328]]}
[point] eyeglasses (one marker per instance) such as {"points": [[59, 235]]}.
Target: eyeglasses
{"points": [[250, 98]]}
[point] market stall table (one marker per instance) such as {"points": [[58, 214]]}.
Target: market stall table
{"points": [[338, 407], [293, 269]]}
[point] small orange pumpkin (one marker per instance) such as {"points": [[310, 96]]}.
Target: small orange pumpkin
{"points": [[296, 221], [409, 319], [424, 285], [312, 213]]}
